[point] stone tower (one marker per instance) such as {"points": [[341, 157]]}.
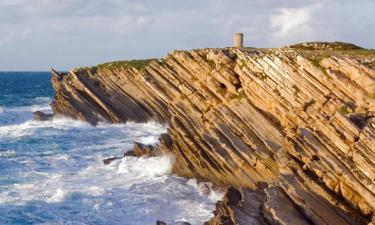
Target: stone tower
{"points": [[238, 40]]}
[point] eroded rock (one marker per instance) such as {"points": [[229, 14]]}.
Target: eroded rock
{"points": [[140, 149], [159, 222], [109, 160], [290, 126], [41, 116]]}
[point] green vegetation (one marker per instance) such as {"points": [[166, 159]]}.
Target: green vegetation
{"points": [[242, 64], [345, 110], [261, 75], [140, 64], [326, 46], [316, 62], [241, 94], [370, 64], [316, 51], [221, 91], [209, 61]]}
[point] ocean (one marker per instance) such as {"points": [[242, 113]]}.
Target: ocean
{"points": [[51, 172]]}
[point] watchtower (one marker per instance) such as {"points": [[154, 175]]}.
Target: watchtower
{"points": [[238, 40]]}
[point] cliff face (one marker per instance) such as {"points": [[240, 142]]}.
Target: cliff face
{"points": [[292, 129]]}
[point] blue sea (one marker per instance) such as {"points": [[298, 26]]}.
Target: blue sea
{"points": [[51, 172]]}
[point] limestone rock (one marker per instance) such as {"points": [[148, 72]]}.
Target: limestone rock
{"points": [[292, 129], [140, 149]]}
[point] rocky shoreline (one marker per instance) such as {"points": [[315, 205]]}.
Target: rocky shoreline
{"points": [[290, 131]]}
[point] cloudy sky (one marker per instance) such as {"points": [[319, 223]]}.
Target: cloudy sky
{"points": [[39, 34]]}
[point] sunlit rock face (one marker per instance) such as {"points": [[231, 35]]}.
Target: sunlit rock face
{"points": [[292, 129]]}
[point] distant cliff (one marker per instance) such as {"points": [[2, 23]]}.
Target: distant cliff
{"points": [[292, 130]]}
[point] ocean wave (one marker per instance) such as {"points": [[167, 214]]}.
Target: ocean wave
{"points": [[58, 196], [61, 179], [146, 167], [8, 154], [41, 100], [139, 189], [31, 127], [17, 115]]}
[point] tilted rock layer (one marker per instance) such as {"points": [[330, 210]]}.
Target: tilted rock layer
{"points": [[292, 130]]}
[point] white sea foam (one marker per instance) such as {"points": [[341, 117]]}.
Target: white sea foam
{"points": [[61, 179], [58, 196], [16, 115], [207, 189], [8, 154], [143, 192], [149, 140], [30, 127]]}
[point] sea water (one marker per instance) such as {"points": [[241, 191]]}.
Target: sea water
{"points": [[51, 172]]}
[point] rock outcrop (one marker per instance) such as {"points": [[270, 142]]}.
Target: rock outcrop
{"points": [[41, 116], [291, 130]]}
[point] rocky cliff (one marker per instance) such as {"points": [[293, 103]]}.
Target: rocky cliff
{"points": [[291, 130]]}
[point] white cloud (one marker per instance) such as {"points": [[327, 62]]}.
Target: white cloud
{"points": [[13, 35], [291, 25], [288, 20], [6, 39], [87, 32], [129, 24], [11, 2]]}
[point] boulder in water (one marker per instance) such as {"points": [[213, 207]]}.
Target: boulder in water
{"points": [[41, 116], [140, 149], [109, 160]]}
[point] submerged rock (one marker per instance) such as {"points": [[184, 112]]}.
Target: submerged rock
{"points": [[41, 116], [109, 160], [296, 121], [159, 222]]}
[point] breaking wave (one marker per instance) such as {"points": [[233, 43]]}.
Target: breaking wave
{"points": [[52, 173]]}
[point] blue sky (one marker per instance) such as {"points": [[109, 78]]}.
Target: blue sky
{"points": [[38, 34]]}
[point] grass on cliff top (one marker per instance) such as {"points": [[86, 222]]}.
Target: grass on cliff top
{"points": [[139, 64], [366, 56], [326, 46], [319, 50]]}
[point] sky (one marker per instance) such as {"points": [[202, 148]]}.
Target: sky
{"points": [[36, 35]]}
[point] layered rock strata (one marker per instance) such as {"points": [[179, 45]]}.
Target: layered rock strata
{"points": [[292, 130]]}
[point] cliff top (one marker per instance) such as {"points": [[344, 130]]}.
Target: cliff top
{"points": [[293, 128], [315, 51]]}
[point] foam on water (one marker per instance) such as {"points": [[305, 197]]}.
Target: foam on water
{"points": [[52, 173]]}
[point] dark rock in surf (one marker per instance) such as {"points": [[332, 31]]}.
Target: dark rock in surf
{"points": [[159, 222], [41, 116], [129, 153], [109, 160], [140, 149]]}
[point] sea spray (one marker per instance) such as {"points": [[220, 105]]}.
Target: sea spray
{"points": [[52, 171], [69, 180]]}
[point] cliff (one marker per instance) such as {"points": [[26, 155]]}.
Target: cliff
{"points": [[291, 130]]}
